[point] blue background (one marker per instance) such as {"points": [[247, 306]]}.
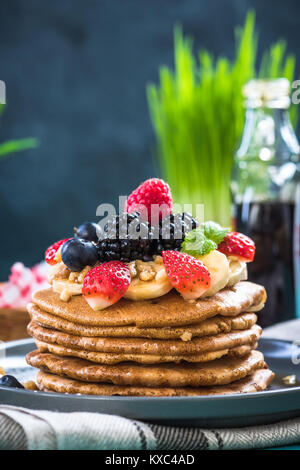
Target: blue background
{"points": [[76, 73]]}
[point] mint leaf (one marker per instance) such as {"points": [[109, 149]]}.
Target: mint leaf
{"points": [[203, 239], [197, 244], [214, 231]]}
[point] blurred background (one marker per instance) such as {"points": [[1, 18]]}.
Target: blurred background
{"points": [[76, 74]]}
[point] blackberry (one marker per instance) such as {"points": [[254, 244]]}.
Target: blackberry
{"points": [[126, 238], [172, 230]]}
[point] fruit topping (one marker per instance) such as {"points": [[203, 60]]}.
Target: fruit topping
{"points": [[148, 280], [172, 231], [50, 254], [218, 266], [203, 240], [237, 270], [89, 231], [151, 194], [104, 285], [214, 231], [77, 253], [197, 244], [189, 276], [238, 245], [127, 238], [10, 381]]}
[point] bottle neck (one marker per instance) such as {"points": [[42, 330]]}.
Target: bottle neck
{"points": [[269, 135], [267, 161]]}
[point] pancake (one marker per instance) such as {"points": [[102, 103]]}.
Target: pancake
{"points": [[169, 310], [110, 358], [209, 327], [219, 372], [143, 346], [255, 382]]}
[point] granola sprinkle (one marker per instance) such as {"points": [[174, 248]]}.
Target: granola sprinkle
{"points": [[30, 385], [289, 380], [65, 295], [79, 276], [186, 336]]}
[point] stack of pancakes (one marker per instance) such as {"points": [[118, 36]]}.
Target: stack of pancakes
{"points": [[162, 347]]}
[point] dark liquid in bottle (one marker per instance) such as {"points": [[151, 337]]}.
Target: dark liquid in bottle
{"points": [[271, 226]]}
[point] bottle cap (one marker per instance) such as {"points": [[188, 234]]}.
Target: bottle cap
{"points": [[273, 93]]}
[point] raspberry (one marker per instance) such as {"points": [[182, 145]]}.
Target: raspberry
{"points": [[152, 191]]}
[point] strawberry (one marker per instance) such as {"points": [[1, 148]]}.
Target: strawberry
{"points": [[106, 284], [187, 274], [239, 245], [152, 191], [52, 250]]}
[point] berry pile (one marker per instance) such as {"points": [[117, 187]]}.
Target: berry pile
{"points": [[129, 236], [172, 230], [126, 238]]}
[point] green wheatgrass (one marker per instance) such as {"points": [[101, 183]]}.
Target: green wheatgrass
{"points": [[198, 115]]}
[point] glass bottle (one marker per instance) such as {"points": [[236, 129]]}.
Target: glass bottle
{"points": [[266, 193]]}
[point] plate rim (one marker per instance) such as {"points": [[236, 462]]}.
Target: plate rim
{"points": [[200, 398]]}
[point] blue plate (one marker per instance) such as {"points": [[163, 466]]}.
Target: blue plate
{"points": [[279, 402]]}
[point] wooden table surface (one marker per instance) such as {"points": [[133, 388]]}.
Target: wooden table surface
{"points": [[13, 324]]}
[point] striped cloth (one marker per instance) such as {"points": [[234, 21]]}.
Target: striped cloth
{"points": [[22, 429]]}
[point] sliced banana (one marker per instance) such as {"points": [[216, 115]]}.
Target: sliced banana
{"points": [[218, 266], [237, 271], [145, 290], [224, 272], [64, 285], [138, 289]]}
